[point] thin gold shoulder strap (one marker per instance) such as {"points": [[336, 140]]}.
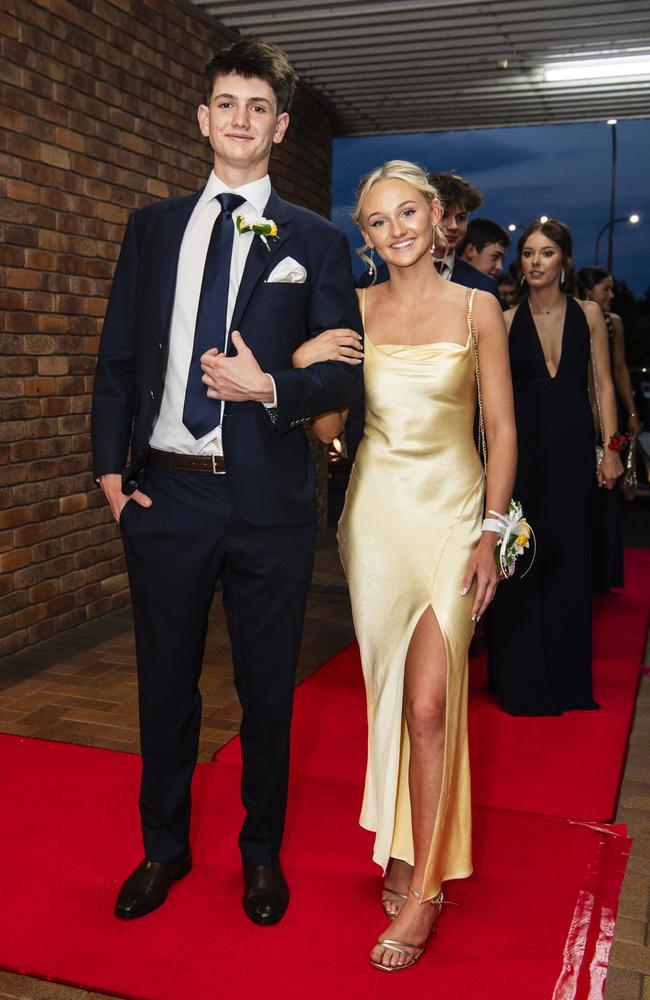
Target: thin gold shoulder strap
{"points": [[470, 302], [363, 306], [481, 426]]}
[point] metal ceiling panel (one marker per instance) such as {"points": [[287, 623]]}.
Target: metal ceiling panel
{"points": [[426, 65]]}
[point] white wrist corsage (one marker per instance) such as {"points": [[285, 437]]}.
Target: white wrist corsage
{"points": [[264, 228], [515, 535]]}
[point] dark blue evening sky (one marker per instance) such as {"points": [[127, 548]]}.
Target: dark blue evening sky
{"points": [[561, 171]]}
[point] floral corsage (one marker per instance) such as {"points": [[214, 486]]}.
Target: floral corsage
{"points": [[264, 228], [618, 442], [515, 535]]}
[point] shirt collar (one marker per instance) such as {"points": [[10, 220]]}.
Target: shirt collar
{"points": [[256, 193], [448, 263]]}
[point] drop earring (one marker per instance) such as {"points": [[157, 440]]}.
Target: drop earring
{"points": [[562, 276], [372, 268], [437, 232]]}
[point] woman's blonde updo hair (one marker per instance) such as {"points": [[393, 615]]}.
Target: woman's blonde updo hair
{"points": [[401, 170]]}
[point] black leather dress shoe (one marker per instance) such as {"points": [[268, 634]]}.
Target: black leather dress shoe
{"points": [[146, 888], [266, 893]]}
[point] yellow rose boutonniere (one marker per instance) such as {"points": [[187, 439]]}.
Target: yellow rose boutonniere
{"points": [[264, 228]]}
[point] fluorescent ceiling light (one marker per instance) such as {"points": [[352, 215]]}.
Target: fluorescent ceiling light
{"points": [[595, 69]]}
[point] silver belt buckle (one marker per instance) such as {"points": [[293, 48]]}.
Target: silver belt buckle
{"points": [[215, 470]]}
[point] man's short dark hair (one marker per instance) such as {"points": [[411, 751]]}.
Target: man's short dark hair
{"points": [[505, 278], [250, 57], [480, 232], [455, 190]]}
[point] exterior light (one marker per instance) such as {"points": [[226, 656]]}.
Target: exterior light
{"points": [[543, 218], [634, 218], [612, 121], [598, 69], [512, 227]]}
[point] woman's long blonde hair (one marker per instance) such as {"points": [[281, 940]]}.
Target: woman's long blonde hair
{"points": [[402, 170]]}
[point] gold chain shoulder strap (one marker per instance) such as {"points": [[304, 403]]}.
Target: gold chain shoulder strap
{"points": [[592, 378], [481, 425], [593, 381]]}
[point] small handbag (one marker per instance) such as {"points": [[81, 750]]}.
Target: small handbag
{"points": [[628, 481]]}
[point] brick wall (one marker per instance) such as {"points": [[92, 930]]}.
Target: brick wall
{"points": [[97, 99]]}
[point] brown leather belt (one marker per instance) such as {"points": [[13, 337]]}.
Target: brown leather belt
{"points": [[187, 463]]}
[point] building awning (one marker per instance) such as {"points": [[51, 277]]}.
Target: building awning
{"points": [[419, 66]]}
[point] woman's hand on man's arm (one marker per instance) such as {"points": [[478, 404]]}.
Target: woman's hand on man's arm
{"points": [[331, 345]]}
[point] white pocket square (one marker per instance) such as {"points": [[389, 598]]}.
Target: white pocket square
{"points": [[289, 271]]}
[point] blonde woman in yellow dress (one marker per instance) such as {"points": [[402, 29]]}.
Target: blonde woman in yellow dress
{"points": [[420, 569]]}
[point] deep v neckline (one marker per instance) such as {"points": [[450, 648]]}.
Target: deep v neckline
{"points": [[539, 339]]}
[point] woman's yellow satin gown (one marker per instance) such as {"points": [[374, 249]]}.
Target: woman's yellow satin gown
{"points": [[412, 516]]}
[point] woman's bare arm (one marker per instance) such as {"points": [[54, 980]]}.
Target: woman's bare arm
{"points": [[501, 440], [610, 467], [498, 406], [327, 426], [621, 375], [331, 345]]}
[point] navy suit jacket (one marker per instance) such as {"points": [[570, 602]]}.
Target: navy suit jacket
{"points": [[469, 276], [269, 466]]}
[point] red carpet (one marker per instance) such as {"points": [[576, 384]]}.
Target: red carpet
{"points": [[535, 920], [528, 918]]}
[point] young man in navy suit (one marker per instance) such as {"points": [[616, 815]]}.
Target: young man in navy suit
{"points": [[211, 296]]}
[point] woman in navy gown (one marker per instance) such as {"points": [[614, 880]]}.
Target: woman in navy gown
{"points": [[539, 651]]}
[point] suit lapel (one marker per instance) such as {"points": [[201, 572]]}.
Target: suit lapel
{"points": [[172, 227], [259, 257]]}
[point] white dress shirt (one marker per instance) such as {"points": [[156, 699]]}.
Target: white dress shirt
{"points": [[447, 265], [170, 433]]}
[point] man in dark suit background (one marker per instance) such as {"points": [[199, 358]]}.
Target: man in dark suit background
{"points": [[211, 296], [485, 246]]}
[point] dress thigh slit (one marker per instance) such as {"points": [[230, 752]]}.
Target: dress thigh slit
{"points": [[402, 846]]}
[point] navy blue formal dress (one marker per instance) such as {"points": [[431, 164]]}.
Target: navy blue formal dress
{"points": [[539, 649]]}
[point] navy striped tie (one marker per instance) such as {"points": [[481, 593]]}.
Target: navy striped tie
{"points": [[200, 414]]}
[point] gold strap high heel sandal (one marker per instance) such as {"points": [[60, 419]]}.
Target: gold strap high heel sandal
{"points": [[395, 897], [411, 952]]}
